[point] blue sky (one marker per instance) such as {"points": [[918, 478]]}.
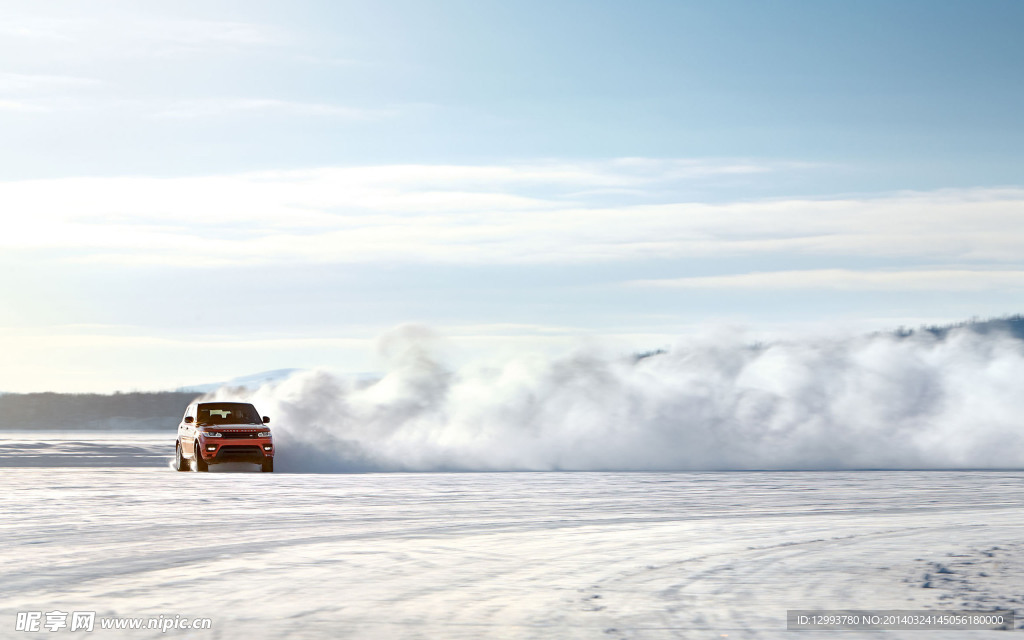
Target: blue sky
{"points": [[197, 190]]}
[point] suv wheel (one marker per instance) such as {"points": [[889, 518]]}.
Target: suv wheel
{"points": [[198, 464], [180, 463], [268, 465]]}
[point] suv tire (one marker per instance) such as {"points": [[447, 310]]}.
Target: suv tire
{"points": [[199, 464], [180, 463]]}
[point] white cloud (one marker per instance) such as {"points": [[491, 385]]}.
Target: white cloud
{"points": [[493, 214], [41, 93], [119, 34], [327, 61], [21, 106], [21, 83], [200, 34], [34, 28], [64, 357], [850, 280], [233, 106], [48, 358]]}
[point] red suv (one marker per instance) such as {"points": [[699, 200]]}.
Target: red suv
{"points": [[215, 432]]}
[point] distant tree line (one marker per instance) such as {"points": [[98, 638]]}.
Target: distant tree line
{"points": [[1009, 325], [62, 411]]}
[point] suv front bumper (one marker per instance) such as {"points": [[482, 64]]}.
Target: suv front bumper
{"points": [[232, 450]]}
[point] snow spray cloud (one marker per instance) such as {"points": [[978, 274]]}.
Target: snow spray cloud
{"points": [[722, 404]]}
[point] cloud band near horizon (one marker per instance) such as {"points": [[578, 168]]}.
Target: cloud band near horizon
{"points": [[543, 213]]}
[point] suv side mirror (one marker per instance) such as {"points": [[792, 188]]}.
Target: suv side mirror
{"points": [[189, 420], [266, 420]]}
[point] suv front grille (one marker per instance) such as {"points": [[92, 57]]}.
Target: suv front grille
{"points": [[239, 449]]}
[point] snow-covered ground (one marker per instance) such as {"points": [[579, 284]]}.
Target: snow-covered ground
{"points": [[491, 555], [85, 449]]}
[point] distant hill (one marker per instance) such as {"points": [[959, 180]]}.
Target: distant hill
{"points": [[136, 411], [1010, 325], [93, 411]]}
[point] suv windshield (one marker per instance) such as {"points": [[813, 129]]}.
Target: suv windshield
{"points": [[227, 413]]}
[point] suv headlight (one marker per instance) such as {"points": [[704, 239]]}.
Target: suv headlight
{"points": [[263, 434], [211, 434]]}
